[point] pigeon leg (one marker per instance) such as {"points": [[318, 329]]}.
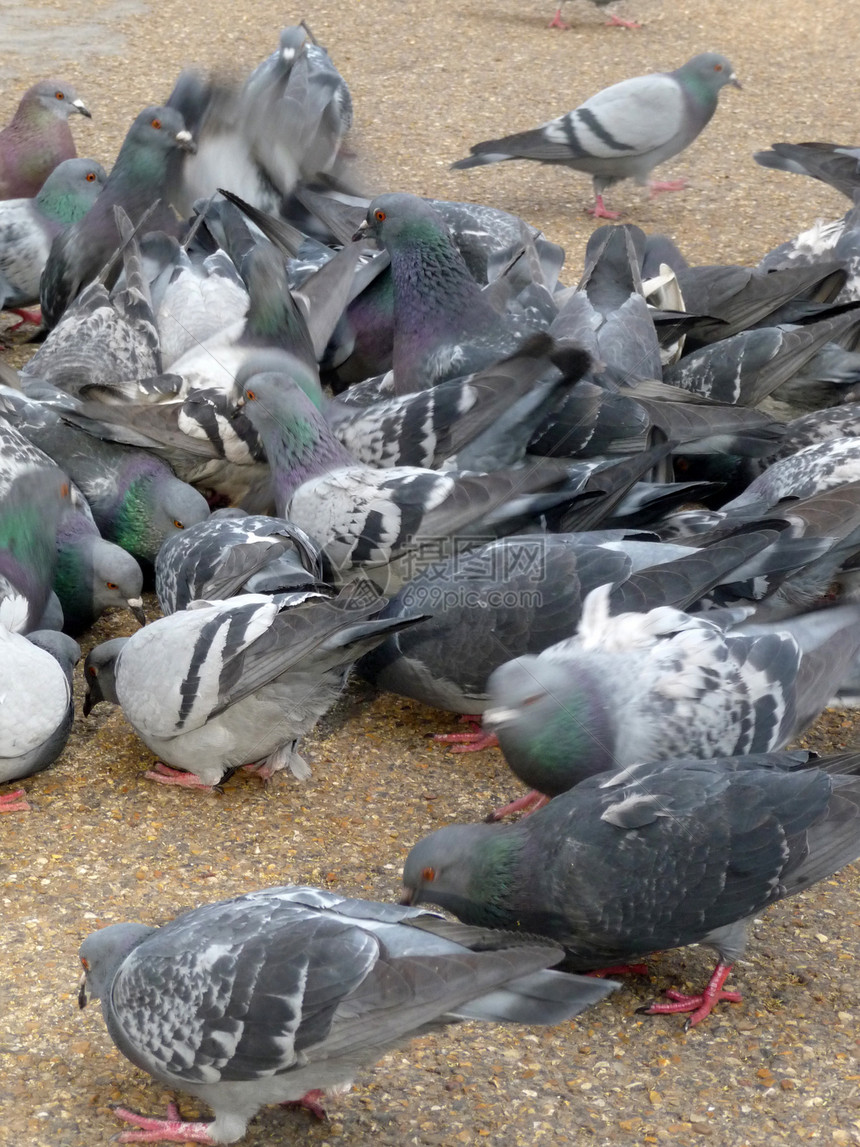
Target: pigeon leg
{"points": [[600, 211], [26, 316], [173, 1129], [531, 802], [557, 22], [167, 776], [617, 22], [14, 802], [656, 187], [619, 970], [469, 742], [698, 1006], [310, 1101]]}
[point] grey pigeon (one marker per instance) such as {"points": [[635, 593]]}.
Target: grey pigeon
{"points": [[140, 181], [28, 228], [38, 138], [232, 553], [662, 684], [230, 683], [624, 131], [652, 857], [37, 711], [276, 995], [831, 163]]}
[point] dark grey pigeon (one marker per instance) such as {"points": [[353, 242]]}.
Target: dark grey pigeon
{"points": [[230, 683], [37, 711], [38, 138], [624, 131], [278, 994], [140, 181], [232, 553], [652, 857], [832, 163], [662, 684], [28, 227]]}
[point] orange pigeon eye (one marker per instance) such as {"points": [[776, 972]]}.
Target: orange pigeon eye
{"points": [[91, 177], [93, 672], [156, 123], [64, 491], [85, 964], [379, 216], [718, 67], [178, 524], [59, 96], [251, 395], [111, 585], [428, 874]]}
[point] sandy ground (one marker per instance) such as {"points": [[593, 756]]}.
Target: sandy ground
{"points": [[103, 844]]}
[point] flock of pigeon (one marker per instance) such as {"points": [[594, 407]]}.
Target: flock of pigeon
{"points": [[619, 520]]}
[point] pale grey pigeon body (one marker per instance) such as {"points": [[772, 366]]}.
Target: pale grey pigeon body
{"points": [[225, 684], [652, 857], [280, 993], [38, 138], [624, 131]]}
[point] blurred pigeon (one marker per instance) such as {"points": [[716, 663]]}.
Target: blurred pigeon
{"points": [[831, 163], [225, 684], [232, 553], [277, 995], [139, 182], [614, 21], [443, 324], [28, 228], [37, 711], [38, 138], [651, 686], [624, 131], [655, 856]]}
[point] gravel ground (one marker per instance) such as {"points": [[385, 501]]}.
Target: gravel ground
{"points": [[103, 844]]}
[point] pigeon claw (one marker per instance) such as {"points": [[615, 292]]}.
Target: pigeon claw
{"points": [[619, 970], [527, 804], [557, 22], [309, 1102], [600, 211], [618, 22], [14, 802], [164, 775], [173, 1129], [658, 186], [698, 1006], [469, 742]]}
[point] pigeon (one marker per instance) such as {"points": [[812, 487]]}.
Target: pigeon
{"points": [[444, 326], [232, 552], [139, 182], [661, 684], [230, 683], [383, 524], [831, 163], [28, 228], [277, 995], [624, 131], [614, 21], [37, 711], [38, 138], [651, 857]]}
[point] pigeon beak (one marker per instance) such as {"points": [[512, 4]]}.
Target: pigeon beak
{"points": [[362, 232], [81, 107], [185, 142], [408, 896], [492, 718], [82, 991], [135, 604], [735, 82], [88, 704]]}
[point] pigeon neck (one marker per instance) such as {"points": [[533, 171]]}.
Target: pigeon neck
{"points": [[63, 205], [300, 446]]}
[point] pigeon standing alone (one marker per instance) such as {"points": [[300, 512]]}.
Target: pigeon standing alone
{"points": [[624, 131], [38, 138], [277, 995]]}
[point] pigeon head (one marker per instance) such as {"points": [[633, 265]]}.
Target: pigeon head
{"points": [[151, 507], [100, 673], [550, 722], [707, 73], [116, 580], [101, 955], [467, 869], [70, 190], [52, 97], [155, 134]]}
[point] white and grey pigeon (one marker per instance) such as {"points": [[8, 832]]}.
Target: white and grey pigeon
{"points": [[624, 131], [230, 683], [662, 684], [278, 995], [37, 711], [652, 857], [28, 227]]}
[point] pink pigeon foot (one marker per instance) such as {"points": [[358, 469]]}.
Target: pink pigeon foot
{"points": [[617, 22], [657, 187], [600, 211], [164, 775], [173, 1129], [310, 1101], [698, 1006], [34, 317], [531, 802], [557, 22], [469, 742], [14, 802], [263, 770], [619, 970]]}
